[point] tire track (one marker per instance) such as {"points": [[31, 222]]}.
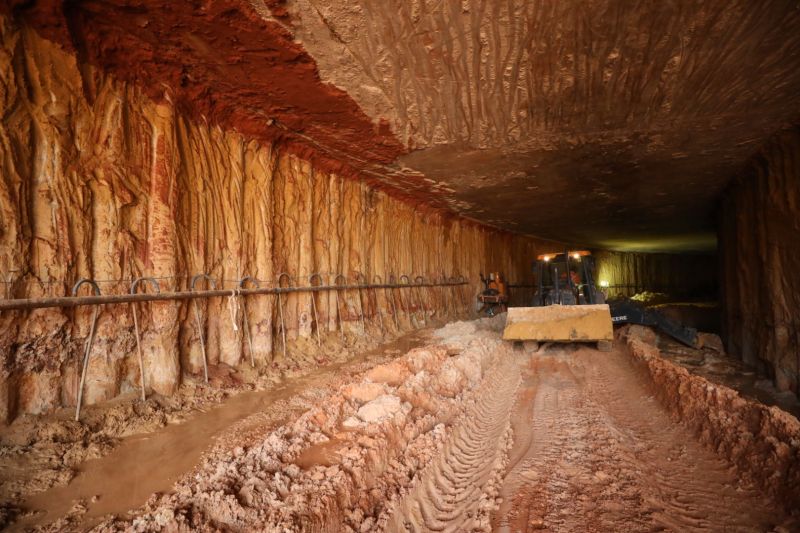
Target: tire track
{"points": [[600, 454], [682, 485], [457, 491], [543, 431]]}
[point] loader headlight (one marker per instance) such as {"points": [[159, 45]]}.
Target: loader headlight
{"points": [[546, 258]]}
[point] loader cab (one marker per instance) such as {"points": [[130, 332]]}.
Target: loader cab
{"points": [[566, 279]]}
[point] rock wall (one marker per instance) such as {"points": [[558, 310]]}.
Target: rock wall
{"points": [[680, 275], [111, 185], [759, 227]]}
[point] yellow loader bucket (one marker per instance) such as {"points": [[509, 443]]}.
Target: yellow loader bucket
{"points": [[559, 323]]}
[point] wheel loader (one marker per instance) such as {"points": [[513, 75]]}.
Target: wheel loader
{"points": [[568, 307]]}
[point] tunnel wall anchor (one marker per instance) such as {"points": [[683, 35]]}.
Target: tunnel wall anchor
{"points": [[419, 281], [134, 284], [311, 279], [245, 323], [410, 313], [89, 341], [377, 303], [338, 308], [280, 310], [359, 279], [200, 333]]}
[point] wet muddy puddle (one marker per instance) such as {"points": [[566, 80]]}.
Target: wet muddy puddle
{"points": [[322, 454], [149, 463]]}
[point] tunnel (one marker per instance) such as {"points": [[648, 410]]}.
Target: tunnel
{"points": [[399, 265]]}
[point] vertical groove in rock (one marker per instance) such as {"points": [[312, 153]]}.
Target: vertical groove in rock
{"points": [[120, 187]]}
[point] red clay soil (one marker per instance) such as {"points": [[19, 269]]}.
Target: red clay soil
{"points": [[226, 63]]}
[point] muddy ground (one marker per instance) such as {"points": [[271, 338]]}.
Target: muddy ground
{"points": [[456, 430], [52, 462]]}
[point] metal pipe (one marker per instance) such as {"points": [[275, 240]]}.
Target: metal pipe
{"points": [[26, 304], [280, 310], [89, 342], [246, 324], [314, 305], [134, 284], [200, 332]]}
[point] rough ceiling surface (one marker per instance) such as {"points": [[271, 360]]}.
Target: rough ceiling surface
{"points": [[606, 123]]}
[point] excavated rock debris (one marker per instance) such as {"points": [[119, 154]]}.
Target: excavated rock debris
{"points": [[38, 453], [762, 441], [467, 433], [344, 463]]}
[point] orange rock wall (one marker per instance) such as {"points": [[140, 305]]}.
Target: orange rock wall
{"points": [[759, 234], [111, 185]]}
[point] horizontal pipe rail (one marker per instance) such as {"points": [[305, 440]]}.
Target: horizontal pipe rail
{"points": [[75, 301]]}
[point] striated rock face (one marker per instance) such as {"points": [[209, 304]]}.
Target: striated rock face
{"points": [[680, 275], [518, 113], [532, 111], [759, 227], [113, 185]]}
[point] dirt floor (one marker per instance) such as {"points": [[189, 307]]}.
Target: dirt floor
{"points": [[454, 430], [52, 466], [594, 451]]}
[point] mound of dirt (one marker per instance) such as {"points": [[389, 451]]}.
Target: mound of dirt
{"points": [[41, 452], [763, 442], [343, 463]]}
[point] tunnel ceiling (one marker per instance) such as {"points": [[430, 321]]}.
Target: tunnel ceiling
{"points": [[607, 123]]}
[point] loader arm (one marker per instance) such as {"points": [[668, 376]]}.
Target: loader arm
{"points": [[629, 312]]}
